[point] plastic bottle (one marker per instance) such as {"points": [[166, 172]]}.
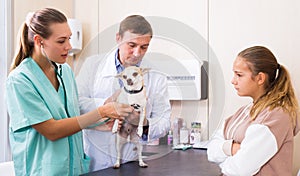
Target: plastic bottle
{"points": [[195, 136], [175, 132], [184, 134], [170, 138]]}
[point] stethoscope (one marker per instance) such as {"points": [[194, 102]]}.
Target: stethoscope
{"points": [[53, 64]]}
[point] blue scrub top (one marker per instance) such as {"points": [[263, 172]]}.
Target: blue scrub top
{"points": [[32, 99]]}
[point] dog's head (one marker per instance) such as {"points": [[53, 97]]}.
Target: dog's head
{"points": [[132, 77]]}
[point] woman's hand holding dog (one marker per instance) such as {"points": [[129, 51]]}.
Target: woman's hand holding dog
{"points": [[111, 110], [115, 110]]}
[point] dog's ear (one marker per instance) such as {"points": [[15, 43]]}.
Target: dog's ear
{"points": [[145, 70]]}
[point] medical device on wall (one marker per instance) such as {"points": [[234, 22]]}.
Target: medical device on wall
{"points": [[76, 38], [187, 79]]}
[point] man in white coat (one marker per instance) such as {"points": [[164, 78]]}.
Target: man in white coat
{"points": [[97, 85]]}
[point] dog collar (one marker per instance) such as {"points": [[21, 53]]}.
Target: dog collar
{"points": [[133, 91]]}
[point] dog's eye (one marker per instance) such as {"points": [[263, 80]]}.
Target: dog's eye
{"points": [[135, 74], [124, 76]]}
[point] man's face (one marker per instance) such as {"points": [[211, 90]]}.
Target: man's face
{"points": [[132, 47]]}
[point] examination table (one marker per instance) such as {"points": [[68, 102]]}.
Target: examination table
{"points": [[163, 161]]}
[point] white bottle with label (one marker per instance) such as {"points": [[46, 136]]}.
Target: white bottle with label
{"points": [[170, 138], [184, 134], [195, 136]]}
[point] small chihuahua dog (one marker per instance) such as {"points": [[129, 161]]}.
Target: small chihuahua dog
{"points": [[134, 94]]}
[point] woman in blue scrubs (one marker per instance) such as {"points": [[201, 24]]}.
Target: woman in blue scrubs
{"points": [[45, 125]]}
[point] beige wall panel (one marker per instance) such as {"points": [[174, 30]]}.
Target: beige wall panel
{"points": [[87, 13]]}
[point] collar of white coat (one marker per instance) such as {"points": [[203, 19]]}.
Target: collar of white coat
{"points": [[107, 66]]}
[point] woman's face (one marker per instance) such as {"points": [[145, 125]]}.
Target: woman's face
{"points": [[57, 46], [132, 47], [243, 81]]}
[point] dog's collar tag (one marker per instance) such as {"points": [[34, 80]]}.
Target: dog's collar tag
{"points": [[133, 91]]}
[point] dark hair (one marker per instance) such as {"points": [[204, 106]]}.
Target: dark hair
{"points": [[279, 89], [39, 23], [135, 24]]}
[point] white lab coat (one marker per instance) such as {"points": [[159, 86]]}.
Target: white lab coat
{"points": [[96, 82]]}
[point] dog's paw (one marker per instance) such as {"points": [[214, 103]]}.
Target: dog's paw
{"points": [[117, 166], [140, 131], [114, 130], [142, 164], [115, 127]]}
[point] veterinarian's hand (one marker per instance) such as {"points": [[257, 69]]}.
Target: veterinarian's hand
{"points": [[108, 125], [114, 97], [115, 110], [133, 118]]}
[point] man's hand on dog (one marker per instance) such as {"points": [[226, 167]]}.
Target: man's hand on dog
{"points": [[132, 117]]}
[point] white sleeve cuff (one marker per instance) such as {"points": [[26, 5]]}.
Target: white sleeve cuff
{"points": [[227, 147]]}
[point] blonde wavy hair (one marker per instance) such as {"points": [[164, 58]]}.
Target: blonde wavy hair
{"points": [[279, 89]]}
